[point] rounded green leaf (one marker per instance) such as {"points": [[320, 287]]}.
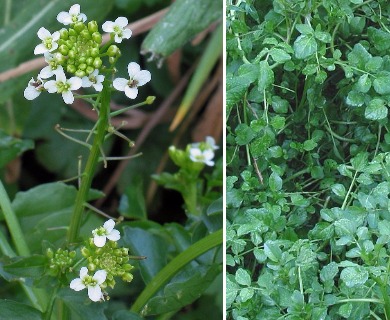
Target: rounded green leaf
{"points": [[242, 277], [275, 182], [376, 109]]}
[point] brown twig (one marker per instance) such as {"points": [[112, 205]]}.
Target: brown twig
{"points": [[164, 107], [138, 27]]}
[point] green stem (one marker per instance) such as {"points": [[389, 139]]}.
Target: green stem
{"points": [[86, 178], [175, 266]]}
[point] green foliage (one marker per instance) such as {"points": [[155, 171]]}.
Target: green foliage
{"points": [[308, 158]]}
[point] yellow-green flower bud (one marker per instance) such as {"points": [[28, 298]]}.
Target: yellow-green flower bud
{"points": [[69, 44], [79, 26], [97, 62], [80, 73], [92, 26], [97, 37], [128, 277], [64, 34], [72, 54], [82, 59], [150, 99], [89, 61], [82, 66], [112, 60], [113, 51], [49, 253], [94, 52], [91, 267], [71, 68], [72, 254], [72, 32], [89, 70], [72, 39], [85, 34], [63, 49]]}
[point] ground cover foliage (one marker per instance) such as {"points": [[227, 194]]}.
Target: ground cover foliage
{"points": [[308, 223], [167, 206]]}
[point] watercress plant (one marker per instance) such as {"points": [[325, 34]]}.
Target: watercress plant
{"points": [[308, 86]]}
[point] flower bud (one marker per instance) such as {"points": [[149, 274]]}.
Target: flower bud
{"points": [[89, 61], [89, 70], [69, 44], [49, 253], [64, 50], [97, 37], [85, 34], [94, 52], [92, 26], [71, 68], [79, 26], [72, 39], [64, 34], [80, 73], [150, 99], [112, 51], [72, 254], [112, 60], [91, 267], [72, 32], [82, 66], [128, 277], [72, 54], [97, 62]]}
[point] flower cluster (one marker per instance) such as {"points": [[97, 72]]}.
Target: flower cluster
{"points": [[203, 151], [77, 50], [106, 260], [60, 261]]}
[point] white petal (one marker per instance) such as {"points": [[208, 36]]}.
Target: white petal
{"points": [[109, 225], [40, 48], [54, 46], [83, 272], [46, 72], [30, 93], [64, 18], [48, 57], [121, 21], [60, 76], [77, 284], [98, 87], [142, 77], [99, 78], [117, 39], [127, 33], [85, 82], [114, 235], [120, 84], [50, 86], [209, 162], [68, 97], [99, 241], [131, 92], [211, 142], [133, 68], [75, 83], [95, 293], [55, 36], [100, 276], [75, 9], [82, 17], [108, 26], [194, 154], [208, 154], [43, 33]]}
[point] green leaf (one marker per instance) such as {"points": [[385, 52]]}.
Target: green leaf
{"points": [[15, 310], [272, 251], [150, 244], [279, 105], [359, 56], [380, 38], [184, 20], [27, 267], [126, 315], [360, 161], [339, 190], [183, 289], [355, 98], [279, 55], [242, 277], [354, 276], [275, 182], [382, 82], [246, 294], [376, 110], [244, 134], [11, 147], [266, 76], [135, 197], [363, 84], [305, 46], [329, 271], [232, 289], [304, 28], [235, 89]]}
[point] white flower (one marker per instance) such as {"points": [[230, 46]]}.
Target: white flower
{"points": [[93, 80], [48, 41], [33, 89], [63, 86], [72, 16], [53, 65], [106, 232], [205, 156], [209, 144], [118, 28], [92, 283], [138, 78]]}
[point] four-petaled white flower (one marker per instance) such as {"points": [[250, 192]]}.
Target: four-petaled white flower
{"points": [[138, 78], [205, 156], [53, 65], [48, 41], [92, 283], [118, 28], [94, 80], [63, 86], [100, 235], [34, 89], [72, 16]]}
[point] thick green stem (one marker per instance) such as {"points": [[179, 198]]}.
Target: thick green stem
{"points": [[87, 176], [175, 266]]}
